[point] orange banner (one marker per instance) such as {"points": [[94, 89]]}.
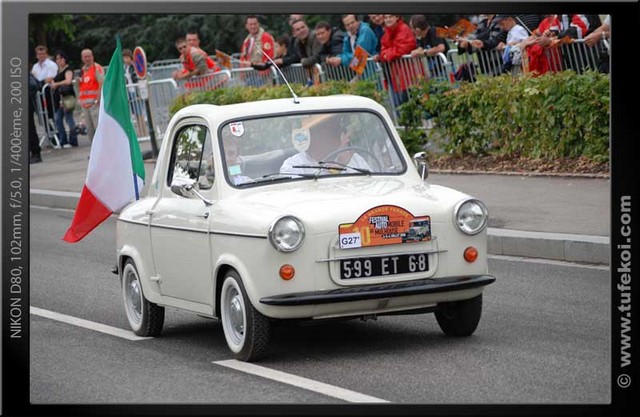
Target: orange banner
{"points": [[359, 60], [384, 225], [224, 59], [460, 29]]}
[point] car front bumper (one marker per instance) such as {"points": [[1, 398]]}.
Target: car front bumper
{"points": [[379, 291]]}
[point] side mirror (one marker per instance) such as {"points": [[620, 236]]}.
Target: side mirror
{"points": [[187, 191], [181, 190], [420, 160]]}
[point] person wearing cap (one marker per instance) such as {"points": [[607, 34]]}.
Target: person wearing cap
{"points": [[512, 54], [515, 32]]}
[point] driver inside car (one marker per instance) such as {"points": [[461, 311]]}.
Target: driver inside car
{"points": [[321, 141]]}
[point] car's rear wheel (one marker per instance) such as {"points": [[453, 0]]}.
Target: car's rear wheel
{"points": [[459, 318], [145, 317], [246, 330]]}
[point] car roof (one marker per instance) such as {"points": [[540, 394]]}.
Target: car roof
{"points": [[218, 114]]}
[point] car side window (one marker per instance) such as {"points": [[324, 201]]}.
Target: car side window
{"points": [[192, 158]]}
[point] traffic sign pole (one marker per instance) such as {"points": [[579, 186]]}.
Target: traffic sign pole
{"points": [[140, 66]]}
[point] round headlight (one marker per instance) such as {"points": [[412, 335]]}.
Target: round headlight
{"points": [[286, 234], [470, 216]]}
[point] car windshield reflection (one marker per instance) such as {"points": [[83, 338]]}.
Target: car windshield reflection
{"points": [[299, 146]]}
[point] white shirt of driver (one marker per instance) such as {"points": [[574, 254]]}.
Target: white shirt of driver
{"points": [[303, 158]]}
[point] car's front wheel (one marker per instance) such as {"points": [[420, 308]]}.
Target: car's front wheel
{"points": [[460, 318], [145, 317], [246, 330]]}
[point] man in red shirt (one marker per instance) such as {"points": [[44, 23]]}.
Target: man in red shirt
{"points": [[257, 40], [195, 62]]}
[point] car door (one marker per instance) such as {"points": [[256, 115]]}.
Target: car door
{"points": [[180, 221]]}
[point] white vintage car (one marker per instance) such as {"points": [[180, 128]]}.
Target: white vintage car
{"points": [[303, 209]]}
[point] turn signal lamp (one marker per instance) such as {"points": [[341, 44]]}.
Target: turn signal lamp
{"points": [[287, 272], [470, 254]]}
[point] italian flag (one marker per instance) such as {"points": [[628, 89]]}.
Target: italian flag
{"points": [[115, 174]]}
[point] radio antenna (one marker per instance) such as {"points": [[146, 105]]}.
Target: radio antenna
{"points": [[295, 97]]}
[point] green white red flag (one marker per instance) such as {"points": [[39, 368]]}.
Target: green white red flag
{"points": [[115, 174]]}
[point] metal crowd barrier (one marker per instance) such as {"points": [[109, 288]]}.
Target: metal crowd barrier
{"points": [[46, 117], [138, 111], [575, 56], [296, 73], [249, 77], [485, 62], [162, 93], [160, 72], [578, 56], [372, 70]]}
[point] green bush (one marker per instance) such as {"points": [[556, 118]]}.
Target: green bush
{"points": [[554, 115], [243, 94]]}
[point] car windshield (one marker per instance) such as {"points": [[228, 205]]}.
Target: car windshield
{"points": [[298, 146]]}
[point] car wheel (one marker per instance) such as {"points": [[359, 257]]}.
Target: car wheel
{"points": [[459, 318], [246, 330], [145, 318]]}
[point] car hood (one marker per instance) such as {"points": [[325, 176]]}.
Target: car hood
{"points": [[325, 203]]}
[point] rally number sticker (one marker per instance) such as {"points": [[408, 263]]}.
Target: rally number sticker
{"points": [[350, 240]]}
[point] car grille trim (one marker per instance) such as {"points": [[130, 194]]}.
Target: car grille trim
{"points": [[378, 255]]}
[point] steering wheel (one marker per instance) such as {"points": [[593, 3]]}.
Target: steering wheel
{"points": [[332, 156]]}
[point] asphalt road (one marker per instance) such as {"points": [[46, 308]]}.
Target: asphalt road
{"points": [[543, 339]]}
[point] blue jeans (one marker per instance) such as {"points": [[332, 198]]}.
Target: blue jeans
{"points": [[61, 114]]}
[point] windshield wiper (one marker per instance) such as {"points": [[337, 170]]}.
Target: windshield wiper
{"points": [[276, 176], [344, 167], [321, 165]]}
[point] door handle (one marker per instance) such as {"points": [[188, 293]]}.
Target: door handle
{"points": [[205, 215], [150, 212]]}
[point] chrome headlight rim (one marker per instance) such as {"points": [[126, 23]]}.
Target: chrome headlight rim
{"points": [[483, 209], [273, 238]]}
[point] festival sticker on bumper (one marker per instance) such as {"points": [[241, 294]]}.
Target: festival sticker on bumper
{"points": [[384, 225]]}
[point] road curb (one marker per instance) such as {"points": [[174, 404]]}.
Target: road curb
{"points": [[519, 173], [556, 246]]}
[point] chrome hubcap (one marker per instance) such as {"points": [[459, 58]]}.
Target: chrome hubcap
{"points": [[233, 320], [134, 292], [236, 318], [133, 297]]}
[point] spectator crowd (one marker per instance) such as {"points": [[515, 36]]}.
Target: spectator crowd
{"points": [[384, 39]]}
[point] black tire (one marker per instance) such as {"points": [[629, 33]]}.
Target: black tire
{"points": [[246, 330], [145, 318], [460, 318]]}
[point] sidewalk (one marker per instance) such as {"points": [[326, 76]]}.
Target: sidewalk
{"points": [[557, 218]]}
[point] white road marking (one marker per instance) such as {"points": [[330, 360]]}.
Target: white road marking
{"points": [[300, 382], [91, 325], [549, 262]]}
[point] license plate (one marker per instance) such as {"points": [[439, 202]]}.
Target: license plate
{"points": [[383, 266]]}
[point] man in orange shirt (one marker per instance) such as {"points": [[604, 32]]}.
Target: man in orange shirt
{"points": [[90, 88]]}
